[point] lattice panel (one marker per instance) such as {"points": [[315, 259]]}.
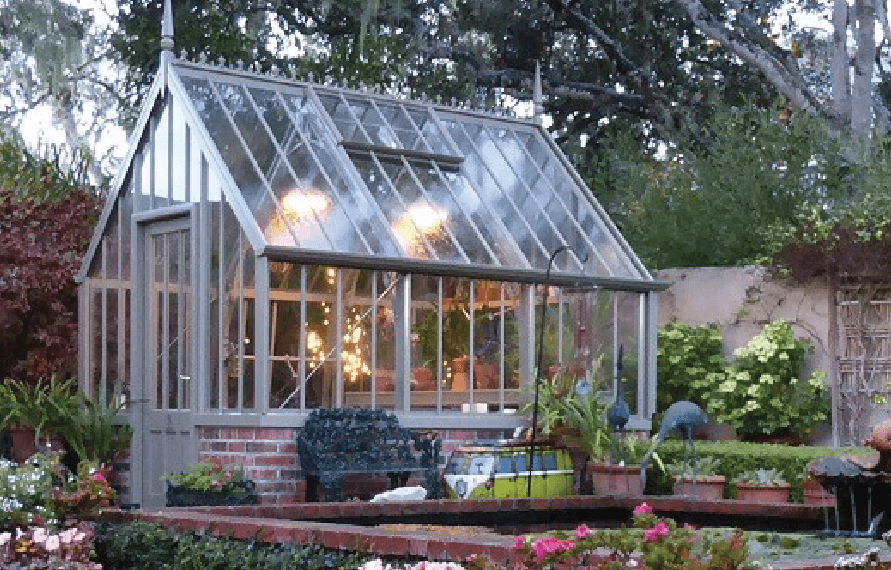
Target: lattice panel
{"points": [[864, 357]]}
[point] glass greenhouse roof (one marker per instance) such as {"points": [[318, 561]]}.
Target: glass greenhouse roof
{"points": [[333, 171]]}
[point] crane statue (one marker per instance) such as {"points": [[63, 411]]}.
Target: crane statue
{"points": [[618, 413], [683, 416]]}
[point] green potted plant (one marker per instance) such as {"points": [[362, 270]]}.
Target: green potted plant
{"points": [[31, 412], [762, 486], [96, 434], [209, 483], [709, 485], [621, 476]]}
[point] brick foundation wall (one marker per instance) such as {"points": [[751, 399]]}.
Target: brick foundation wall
{"points": [[269, 458]]}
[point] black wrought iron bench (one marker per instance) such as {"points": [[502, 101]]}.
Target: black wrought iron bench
{"points": [[338, 442]]}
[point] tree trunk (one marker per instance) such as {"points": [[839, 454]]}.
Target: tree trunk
{"points": [[840, 72], [861, 92]]}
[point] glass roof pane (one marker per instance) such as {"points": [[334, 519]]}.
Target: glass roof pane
{"points": [[411, 238], [352, 205], [427, 125], [256, 140], [340, 113], [277, 117], [402, 126], [373, 124], [432, 220], [222, 133], [493, 231], [461, 228], [275, 230]]}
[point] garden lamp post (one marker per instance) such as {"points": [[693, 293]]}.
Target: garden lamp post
{"points": [[537, 380]]}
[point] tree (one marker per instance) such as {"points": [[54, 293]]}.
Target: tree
{"points": [[45, 226], [54, 55]]}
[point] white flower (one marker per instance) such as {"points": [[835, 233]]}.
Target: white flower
{"points": [[52, 543], [5, 538]]}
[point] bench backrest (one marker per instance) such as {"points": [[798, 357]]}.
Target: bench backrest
{"points": [[342, 439]]}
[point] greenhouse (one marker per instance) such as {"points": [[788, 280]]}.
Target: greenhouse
{"points": [[271, 246]]}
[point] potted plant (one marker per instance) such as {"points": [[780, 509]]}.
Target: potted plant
{"points": [[623, 475], [209, 483], [762, 486], [97, 436], [34, 411], [709, 485]]}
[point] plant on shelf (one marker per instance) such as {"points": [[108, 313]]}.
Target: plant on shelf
{"points": [[762, 485], [209, 483], [709, 483]]}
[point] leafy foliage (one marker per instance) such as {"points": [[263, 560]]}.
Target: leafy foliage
{"points": [[41, 245], [142, 546], [763, 392], [206, 476], [689, 363], [761, 477]]}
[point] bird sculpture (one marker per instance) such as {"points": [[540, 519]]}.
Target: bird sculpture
{"points": [[683, 416], [618, 413]]}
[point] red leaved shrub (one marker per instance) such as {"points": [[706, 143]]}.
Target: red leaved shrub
{"points": [[41, 246]]}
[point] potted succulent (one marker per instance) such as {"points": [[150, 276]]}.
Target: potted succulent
{"points": [[35, 412], [762, 486], [709, 485], [209, 483]]}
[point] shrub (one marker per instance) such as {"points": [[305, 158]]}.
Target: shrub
{"points": [[762, 392], [690, 363], [143, 546]]}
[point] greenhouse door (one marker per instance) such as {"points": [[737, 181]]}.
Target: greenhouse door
{"points": [[168, 337]]}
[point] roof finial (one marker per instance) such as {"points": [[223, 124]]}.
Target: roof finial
{"points": [[167, 28], [537, 104]]}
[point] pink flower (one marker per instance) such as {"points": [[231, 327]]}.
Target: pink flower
{"points": [[653, 534], [519, 542], [52, 543], [99, 477], [582, 532], [5, 538], [542, 548], [643, 509], [39, 535]]}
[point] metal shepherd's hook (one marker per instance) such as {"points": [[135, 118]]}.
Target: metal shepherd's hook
{"points": [[544, 303]]}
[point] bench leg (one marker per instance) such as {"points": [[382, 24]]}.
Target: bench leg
{"points": [[434, 487], [333, 486]]}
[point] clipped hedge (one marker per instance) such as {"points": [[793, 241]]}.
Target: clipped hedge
{"points": [[736, 457], [144, 546]]}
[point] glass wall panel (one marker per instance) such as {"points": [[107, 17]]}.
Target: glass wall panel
{"points": [[161, 139], [456, 343], [383, 335], [286, 314], [425, 339], [321, 337], [215, 309], [356, 351], [511, 303], [488, 344], [247, 333]]}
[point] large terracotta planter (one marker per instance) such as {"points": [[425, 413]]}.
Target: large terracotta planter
{"points": [[763, 494], [614, 479], [814, 494], [709, 487], [24, 446]]}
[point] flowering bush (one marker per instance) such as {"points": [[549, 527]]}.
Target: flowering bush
{"points": [[84, 497], [378, 564], [38, 549], [653, 544], [24, 489]]}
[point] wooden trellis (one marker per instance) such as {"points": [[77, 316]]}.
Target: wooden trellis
{"points": [[863, 365]]}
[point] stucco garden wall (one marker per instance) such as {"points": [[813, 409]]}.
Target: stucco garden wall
{"points": [[741, 300]]}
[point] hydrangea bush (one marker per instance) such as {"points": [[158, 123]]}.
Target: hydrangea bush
{"points": [[36, 548]]}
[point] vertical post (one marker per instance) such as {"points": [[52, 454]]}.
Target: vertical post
{"points": [[402, 342], [834, 382], [261, 334]]}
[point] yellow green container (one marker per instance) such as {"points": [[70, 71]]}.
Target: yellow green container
{"points": [[503, 472]]}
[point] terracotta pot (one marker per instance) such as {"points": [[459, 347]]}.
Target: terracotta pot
{"points": [[708, 487], [24, 446], [614, 479], [763, 494], [815, 494]]}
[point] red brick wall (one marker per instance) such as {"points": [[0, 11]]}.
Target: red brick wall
{"points": [[268, 456]]}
